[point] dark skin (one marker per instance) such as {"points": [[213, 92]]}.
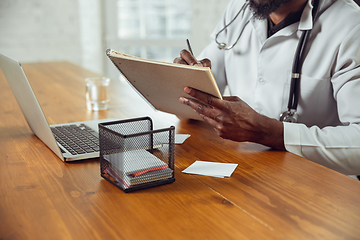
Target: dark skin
{"points": [[284, 10], [231, 117]]}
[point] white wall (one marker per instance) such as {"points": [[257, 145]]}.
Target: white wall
{"points": [[206, 14], [77, 30], [92, 35], [40, 30]]}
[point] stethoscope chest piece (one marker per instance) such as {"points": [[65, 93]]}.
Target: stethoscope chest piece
{"points": [[289, 116]]}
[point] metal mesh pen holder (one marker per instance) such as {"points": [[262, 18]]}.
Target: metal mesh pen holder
{"points": [[133, 156]]}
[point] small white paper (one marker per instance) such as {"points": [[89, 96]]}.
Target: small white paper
{"points": [[213, 169], [180, 138]]}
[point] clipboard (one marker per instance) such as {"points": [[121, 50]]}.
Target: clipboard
{"points": [[161, 84]]}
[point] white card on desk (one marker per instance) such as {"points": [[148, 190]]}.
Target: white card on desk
{"points": [[213, 169], [180, 138]]}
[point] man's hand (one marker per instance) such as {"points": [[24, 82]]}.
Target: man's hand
{"points": [[233, 119], [188, 59]]}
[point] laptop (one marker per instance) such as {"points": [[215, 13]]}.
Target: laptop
{"points": [[60, 138]]}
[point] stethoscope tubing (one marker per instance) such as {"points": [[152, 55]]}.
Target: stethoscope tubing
{"points": [[297, 63], [222, 45], [294, 95]]}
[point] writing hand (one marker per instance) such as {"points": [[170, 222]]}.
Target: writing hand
{"points": [[188, 59], [235, 120]]}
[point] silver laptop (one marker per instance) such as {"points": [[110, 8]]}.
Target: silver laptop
{"points": [[61, 138]]}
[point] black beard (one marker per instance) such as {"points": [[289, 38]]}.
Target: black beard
{"points": [[262, 9]]}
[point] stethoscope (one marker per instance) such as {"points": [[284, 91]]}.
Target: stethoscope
{"points": [[290, 115]]}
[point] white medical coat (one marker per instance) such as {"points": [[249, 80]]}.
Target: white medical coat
{"points": [[258, 70]]}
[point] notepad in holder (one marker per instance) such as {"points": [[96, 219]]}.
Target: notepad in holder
{"points": [[133, 156], [161, 84]]}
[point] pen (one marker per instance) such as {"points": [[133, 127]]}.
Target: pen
{"points": [[189, 47]]}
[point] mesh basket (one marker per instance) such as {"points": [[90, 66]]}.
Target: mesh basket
{"points": [[134, 156]]}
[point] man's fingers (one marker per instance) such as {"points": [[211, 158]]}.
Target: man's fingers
{"points": [[204, 97], [194, 104], [189, 58], [209, 114], [231, 98], [213, 122], [179, 60], [205, 62]]}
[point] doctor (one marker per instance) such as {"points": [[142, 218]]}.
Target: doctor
{"points": [[256, 62]]}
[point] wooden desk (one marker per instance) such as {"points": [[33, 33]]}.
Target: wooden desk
{"points": [[271, 194]]}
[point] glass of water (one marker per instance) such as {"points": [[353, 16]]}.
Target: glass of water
{"points": [[97, 96]]}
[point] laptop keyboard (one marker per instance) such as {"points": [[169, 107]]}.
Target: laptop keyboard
{"points": [[77, 139]]}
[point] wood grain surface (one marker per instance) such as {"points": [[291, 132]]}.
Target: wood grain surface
{"points": [[271, 194]]}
